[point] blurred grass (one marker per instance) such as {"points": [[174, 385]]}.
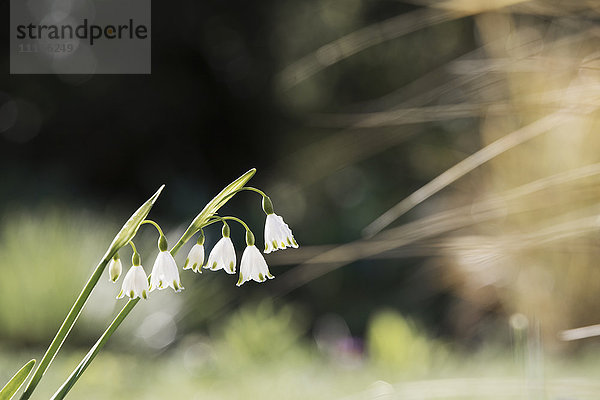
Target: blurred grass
{"points": [[45, 259], [260, 352]]}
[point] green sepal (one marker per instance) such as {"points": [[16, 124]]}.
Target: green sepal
{"points": [[162, 243], [201, 238], [226, 231], [13, 385], [267, 205], [131, 227], [250, 240], [136, 259]]}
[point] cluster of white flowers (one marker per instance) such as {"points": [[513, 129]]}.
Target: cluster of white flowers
{"points": [[253, 265], [165, 273]]}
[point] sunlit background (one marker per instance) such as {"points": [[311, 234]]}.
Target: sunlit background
{"points": [[438, 162]]}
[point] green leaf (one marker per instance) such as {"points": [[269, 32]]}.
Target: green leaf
{"points": [[131, 227], [123, 237], [16, 381], [213, 206]]}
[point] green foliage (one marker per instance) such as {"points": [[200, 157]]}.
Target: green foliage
{"points": [[9, 390], [395, 344], [46, 257], [258, 333]]}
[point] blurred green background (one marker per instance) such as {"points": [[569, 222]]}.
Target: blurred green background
{"points": [[346, 107]]}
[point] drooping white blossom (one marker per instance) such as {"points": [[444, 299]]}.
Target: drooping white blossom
{"points": [[253, 266], [135, 283], [222, 256], [278, 234], [115, 267], [195, 258], [165, 273]]}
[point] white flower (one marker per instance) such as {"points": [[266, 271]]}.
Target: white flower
{"points": [[195, 258], [278, 234], [222, 256], [114, 269], [253, 266], [165, 273], [135, 283]]}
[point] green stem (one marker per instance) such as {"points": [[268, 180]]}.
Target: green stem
{"points": [[233, 219], [89, 357], [77, 372], [65, 328], [149, 221], [249, 188], [202, 220], [133, 246]]}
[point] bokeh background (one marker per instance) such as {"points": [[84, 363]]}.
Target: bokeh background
{"points": [[438, 162]]}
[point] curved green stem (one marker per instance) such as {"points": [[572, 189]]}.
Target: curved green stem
{"points": [[233, 219], [245, 188], [133, 246], [149, 221]]}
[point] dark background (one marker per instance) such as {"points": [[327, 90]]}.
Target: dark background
{"points": [[211, 110]]}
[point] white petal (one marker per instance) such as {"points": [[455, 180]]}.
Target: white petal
{"points": [[165, 273], [222, 256], [278, 234], [135, 283], [140, 282], [253, 266], [195, 258]]}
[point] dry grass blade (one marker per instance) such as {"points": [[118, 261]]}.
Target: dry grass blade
{"points": [[459, 170], [329, 258], [362, 39]]}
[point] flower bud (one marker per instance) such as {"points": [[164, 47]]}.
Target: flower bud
{"points": [[114, 268]]}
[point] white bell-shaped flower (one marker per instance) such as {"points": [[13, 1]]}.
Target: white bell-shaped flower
{"points": [[135, 283], [278, 234], [222, 256], [165, 273], [253, 266], [195, 258], [115, 267]]}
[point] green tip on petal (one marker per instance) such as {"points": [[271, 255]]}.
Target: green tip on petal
{"points": [[131, 294], [241, 280], [231, 267], [144, 295], [187, 261], [261, 277]]}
